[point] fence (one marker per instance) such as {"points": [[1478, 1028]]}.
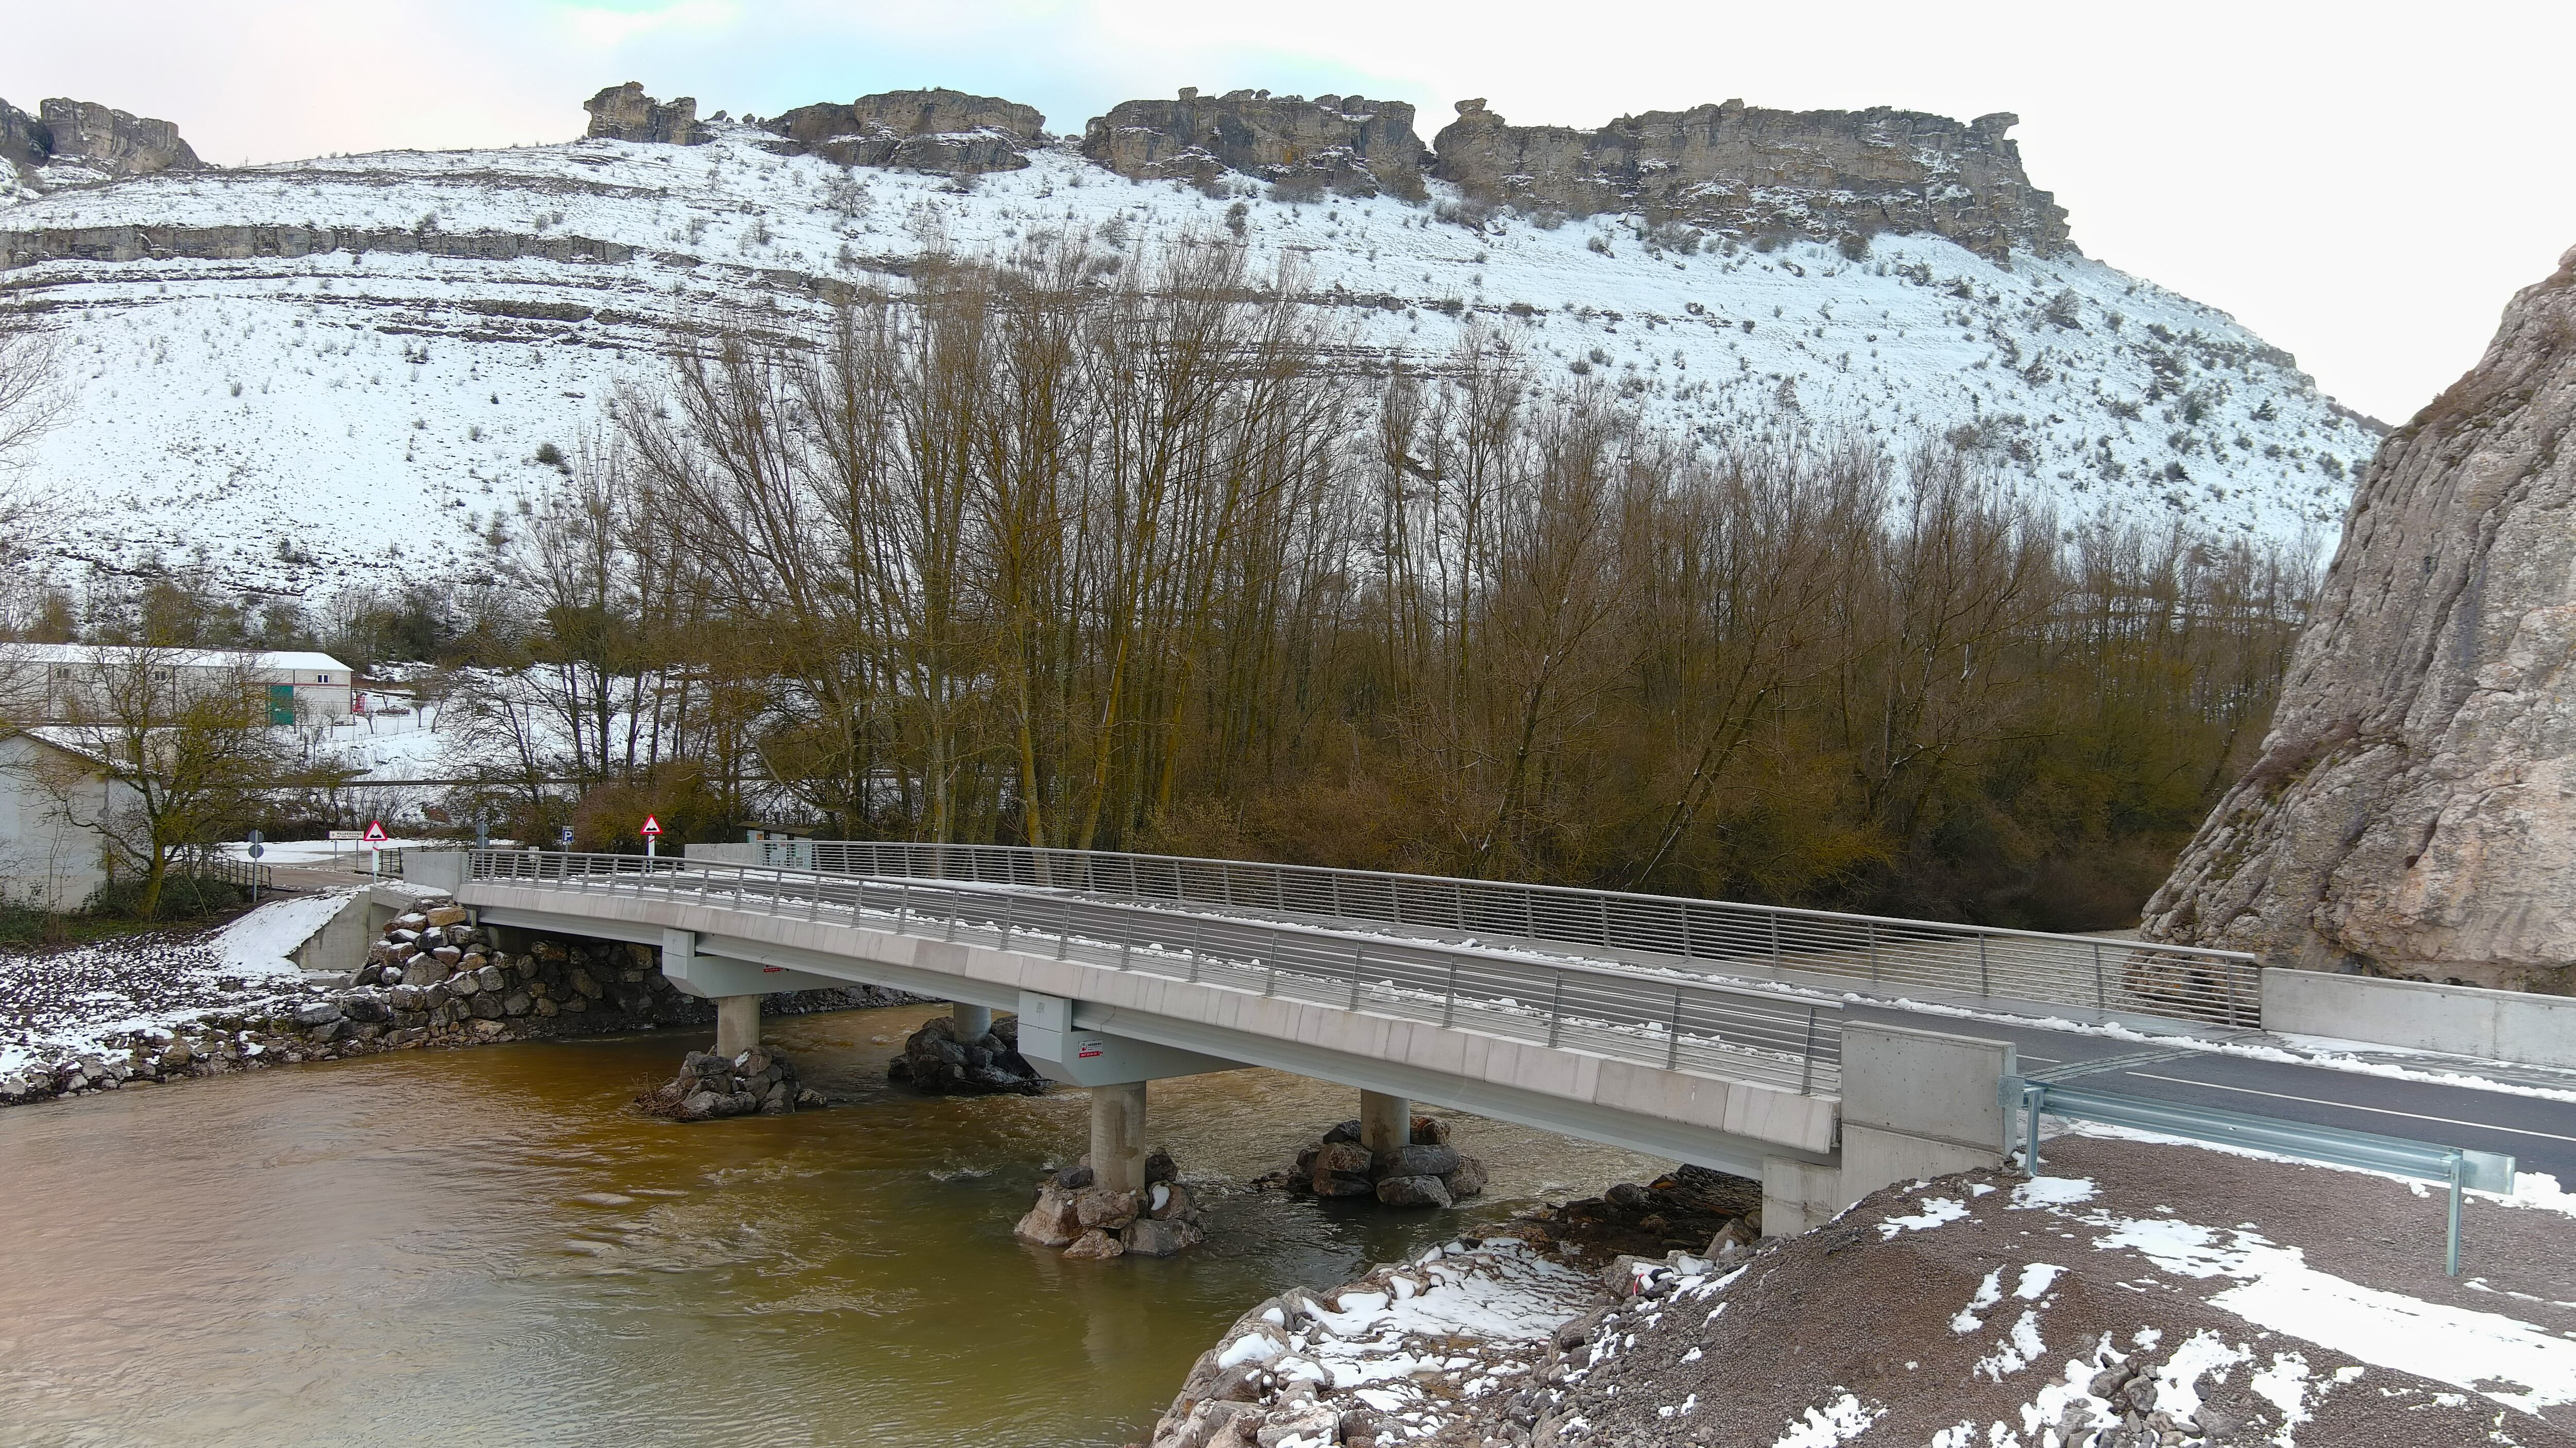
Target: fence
{"points": [[1867, 953], [1744, 1033], [2459, 1167], [249, 875]]}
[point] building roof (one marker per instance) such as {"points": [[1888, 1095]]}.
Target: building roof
{"points": [[299, 660], [55, 739]]}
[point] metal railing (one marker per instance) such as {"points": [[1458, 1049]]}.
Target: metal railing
{"points": [[250, 875], [2458, 1167], [1865, 954], [1737, 1032]]}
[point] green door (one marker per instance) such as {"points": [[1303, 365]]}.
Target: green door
{"points": [[281, 703]]}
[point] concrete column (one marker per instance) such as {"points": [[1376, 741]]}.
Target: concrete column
{"points": [[972, 1021], [737, 1024], [1386, 1122], [1118, 1136]]}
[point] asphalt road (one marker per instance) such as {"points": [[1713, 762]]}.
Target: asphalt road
{"points": [[2540, 1134]]}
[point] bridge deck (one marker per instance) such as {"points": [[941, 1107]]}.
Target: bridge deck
{"points": [[1702, 1071]]}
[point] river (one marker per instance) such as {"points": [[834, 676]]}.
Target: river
{"points": [[482, 1247]]}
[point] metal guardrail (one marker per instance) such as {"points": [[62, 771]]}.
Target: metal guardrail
{"points": [[1862, 953], [1712, 1029], [2459, 1167]]}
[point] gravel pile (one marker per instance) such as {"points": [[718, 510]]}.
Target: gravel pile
{"points": [[2137, 1295]]}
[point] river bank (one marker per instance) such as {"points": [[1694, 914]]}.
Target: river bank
{"points": [[2139, 1295], [174, 1005]]}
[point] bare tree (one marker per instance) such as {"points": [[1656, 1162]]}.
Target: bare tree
{"points": [[1106, 550]]}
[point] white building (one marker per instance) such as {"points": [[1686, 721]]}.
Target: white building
{"points": [[46, 683], [47, 859]]}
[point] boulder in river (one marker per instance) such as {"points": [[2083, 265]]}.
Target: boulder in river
{"points": [[711, 1086], [1427, 1172], [1074, 1213], [937, 1060]]}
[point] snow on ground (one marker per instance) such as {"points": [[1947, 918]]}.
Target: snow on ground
{"points": [[2533, 1189], [342, 415], [2490, 1353], [2501, 1357], [1418, 1345], [66, 1003]]}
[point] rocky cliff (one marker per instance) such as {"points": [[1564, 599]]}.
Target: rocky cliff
{"points": [[1349, 144], [944, 132], [2414, 809], [93, 137], [625, 113], [24, 141], [1753, 173]]}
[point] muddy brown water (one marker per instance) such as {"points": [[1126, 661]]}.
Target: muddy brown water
{"points": [[481, 1247]]}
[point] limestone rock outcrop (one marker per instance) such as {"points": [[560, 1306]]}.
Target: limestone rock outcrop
{"points": [[1347, 144], [625, 113], [2413, 812], [1752, 173], [120, 144], [94, 137], [24, 141], [941, 131]]}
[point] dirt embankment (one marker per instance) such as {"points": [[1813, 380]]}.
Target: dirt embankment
{"points": [[2136, 1294]]}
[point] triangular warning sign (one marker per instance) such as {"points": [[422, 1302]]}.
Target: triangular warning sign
{"points": [[652, 826], [375, 832]]}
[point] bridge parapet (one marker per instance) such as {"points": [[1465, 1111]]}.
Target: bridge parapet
{"points": [[2102, 976]]}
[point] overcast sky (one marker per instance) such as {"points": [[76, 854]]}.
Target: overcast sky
{"points": [[2362, 184]]}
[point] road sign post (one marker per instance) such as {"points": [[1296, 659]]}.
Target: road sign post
{"points": [[375, 842], [652, 832], [256, 850]]}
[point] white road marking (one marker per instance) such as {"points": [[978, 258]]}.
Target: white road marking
{"points": [[2348, 1106]]}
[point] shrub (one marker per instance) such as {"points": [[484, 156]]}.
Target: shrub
{"points": [[1600, 244]]}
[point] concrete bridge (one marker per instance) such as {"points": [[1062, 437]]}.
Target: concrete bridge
{"points": [[1113, 993]]}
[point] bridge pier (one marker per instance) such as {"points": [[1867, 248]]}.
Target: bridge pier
{"points": [[1386, 1123], [1118, 1136], [972, 1021], [737, 1024]]}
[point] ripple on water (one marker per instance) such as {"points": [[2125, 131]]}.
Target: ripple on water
{"points": [[486, 1240]]}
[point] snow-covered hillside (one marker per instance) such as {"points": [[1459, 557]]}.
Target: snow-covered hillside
{"points": [[300, 418]]}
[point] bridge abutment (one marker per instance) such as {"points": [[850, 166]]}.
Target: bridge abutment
{"points": [[1916, 1104]]}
